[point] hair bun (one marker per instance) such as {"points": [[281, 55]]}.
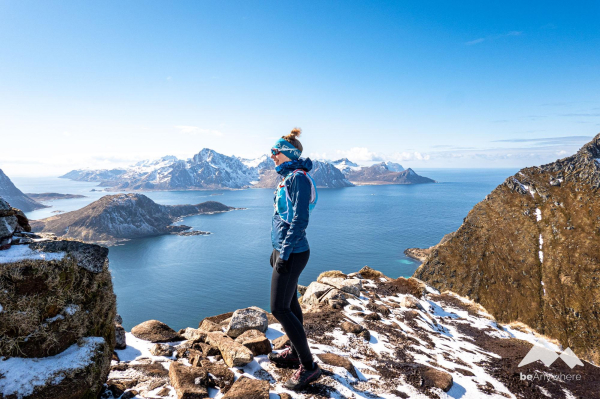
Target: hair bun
{"points": [[295, 133]]}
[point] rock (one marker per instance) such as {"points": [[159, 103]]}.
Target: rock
{"points": [[234, 354], [194, 357], [64, 303], [355, 307], [161, 350], [435, 378], [337, 303], [71, 380], [219, 375], [314, 292], [164, 392], [193, 334], [247, 319], [281, 342], [368, 273], [410, 301], [352, 327], [8, 224], [302, 289], [151, 369], [248, 388], [338, 361], [130, 394], [207, 350], [155, 331], [405, 286], [372, 316], [89, 256], [375, 307], [284, 395], [217, 319], [209, 326], [351, 286], [256, 341], [330, 274], [118, 319], [120, 337], [189, 382], [365, 334]]}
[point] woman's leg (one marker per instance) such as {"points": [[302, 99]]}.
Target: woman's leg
{"points": [[283, 297]]}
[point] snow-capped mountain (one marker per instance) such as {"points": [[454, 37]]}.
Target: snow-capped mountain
{"points": [[393, 167], [328, 175], [345, 165]]}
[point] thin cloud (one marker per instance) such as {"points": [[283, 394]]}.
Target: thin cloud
{"points": [[549, 140], [195, 130], [494, 37]]}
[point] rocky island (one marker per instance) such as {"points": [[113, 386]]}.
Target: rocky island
{"points": [[53, 196], [114, 218]]}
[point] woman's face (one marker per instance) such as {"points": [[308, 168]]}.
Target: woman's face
{"points": [[279, 158]]}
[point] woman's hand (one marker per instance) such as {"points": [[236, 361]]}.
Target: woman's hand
{"points": [[282, 266]]}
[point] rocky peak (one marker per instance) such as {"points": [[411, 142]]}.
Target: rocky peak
{"points": [[530, 251], [15, 197]]}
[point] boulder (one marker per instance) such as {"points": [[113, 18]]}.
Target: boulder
{"points": [[330, 274], [437, 378], [51, 300], [368, 273], [8, 224], [338, 361], [256, 341], [375, 307], [351, 286], [217, 318], [248, 388], [120, 337], [189, 382], [209, 326], [234, 354], [353, 328], [410, 301], [192, 334], [314, 292], [281, 342], [219, 375], [77, 372], [155, 331], [161, 350], [247, 319], [302, 289]]}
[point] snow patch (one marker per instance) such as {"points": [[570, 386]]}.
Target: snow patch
{"points": [[538, 214], [18, 253], [1, 308], [21, 376]]}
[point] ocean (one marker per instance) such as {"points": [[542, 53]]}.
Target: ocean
{"points": [[180, 280]]}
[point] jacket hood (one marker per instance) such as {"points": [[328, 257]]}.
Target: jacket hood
{"points": [[287, 167]]}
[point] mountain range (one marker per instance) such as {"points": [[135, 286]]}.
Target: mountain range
{"points": [[211, 170]]}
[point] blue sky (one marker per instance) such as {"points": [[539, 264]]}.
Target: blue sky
{"points": [[426, 84]]}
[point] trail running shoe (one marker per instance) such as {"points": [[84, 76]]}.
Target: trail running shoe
{"points": [[302, 377], [285, 358]]}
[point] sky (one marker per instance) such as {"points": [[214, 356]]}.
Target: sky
{"points": [[428, 84]]}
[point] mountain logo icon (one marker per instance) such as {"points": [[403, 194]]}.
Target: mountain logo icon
{"points": [[548, 357]]}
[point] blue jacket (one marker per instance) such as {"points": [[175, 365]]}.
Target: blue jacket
{"points": [[291, 238]]}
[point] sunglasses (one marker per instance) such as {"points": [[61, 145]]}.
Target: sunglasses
{"points": [[275, 151]]}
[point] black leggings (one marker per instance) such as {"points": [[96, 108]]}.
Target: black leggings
{"points": [[285, 306]]}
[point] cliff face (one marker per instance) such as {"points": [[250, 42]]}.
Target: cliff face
{"points": [[531, 252], [56, 305], [15, 197], [122, 216]]}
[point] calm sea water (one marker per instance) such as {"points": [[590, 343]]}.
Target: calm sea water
{"points": [[180, 280]]}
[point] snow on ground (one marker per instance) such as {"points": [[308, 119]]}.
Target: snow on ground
{"points": [[18, 253], [439, 332], [21, 376], [538, 214]]}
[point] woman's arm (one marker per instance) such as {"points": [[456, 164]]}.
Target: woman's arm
{"points": [[299, 189]]}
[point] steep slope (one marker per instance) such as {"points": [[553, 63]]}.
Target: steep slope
{"points": [[122, 216], [327, 175], [530, 251], [381, 174], [345, 165], [15, 197]]}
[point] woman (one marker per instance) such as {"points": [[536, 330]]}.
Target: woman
{"points": [[294, 199]]}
